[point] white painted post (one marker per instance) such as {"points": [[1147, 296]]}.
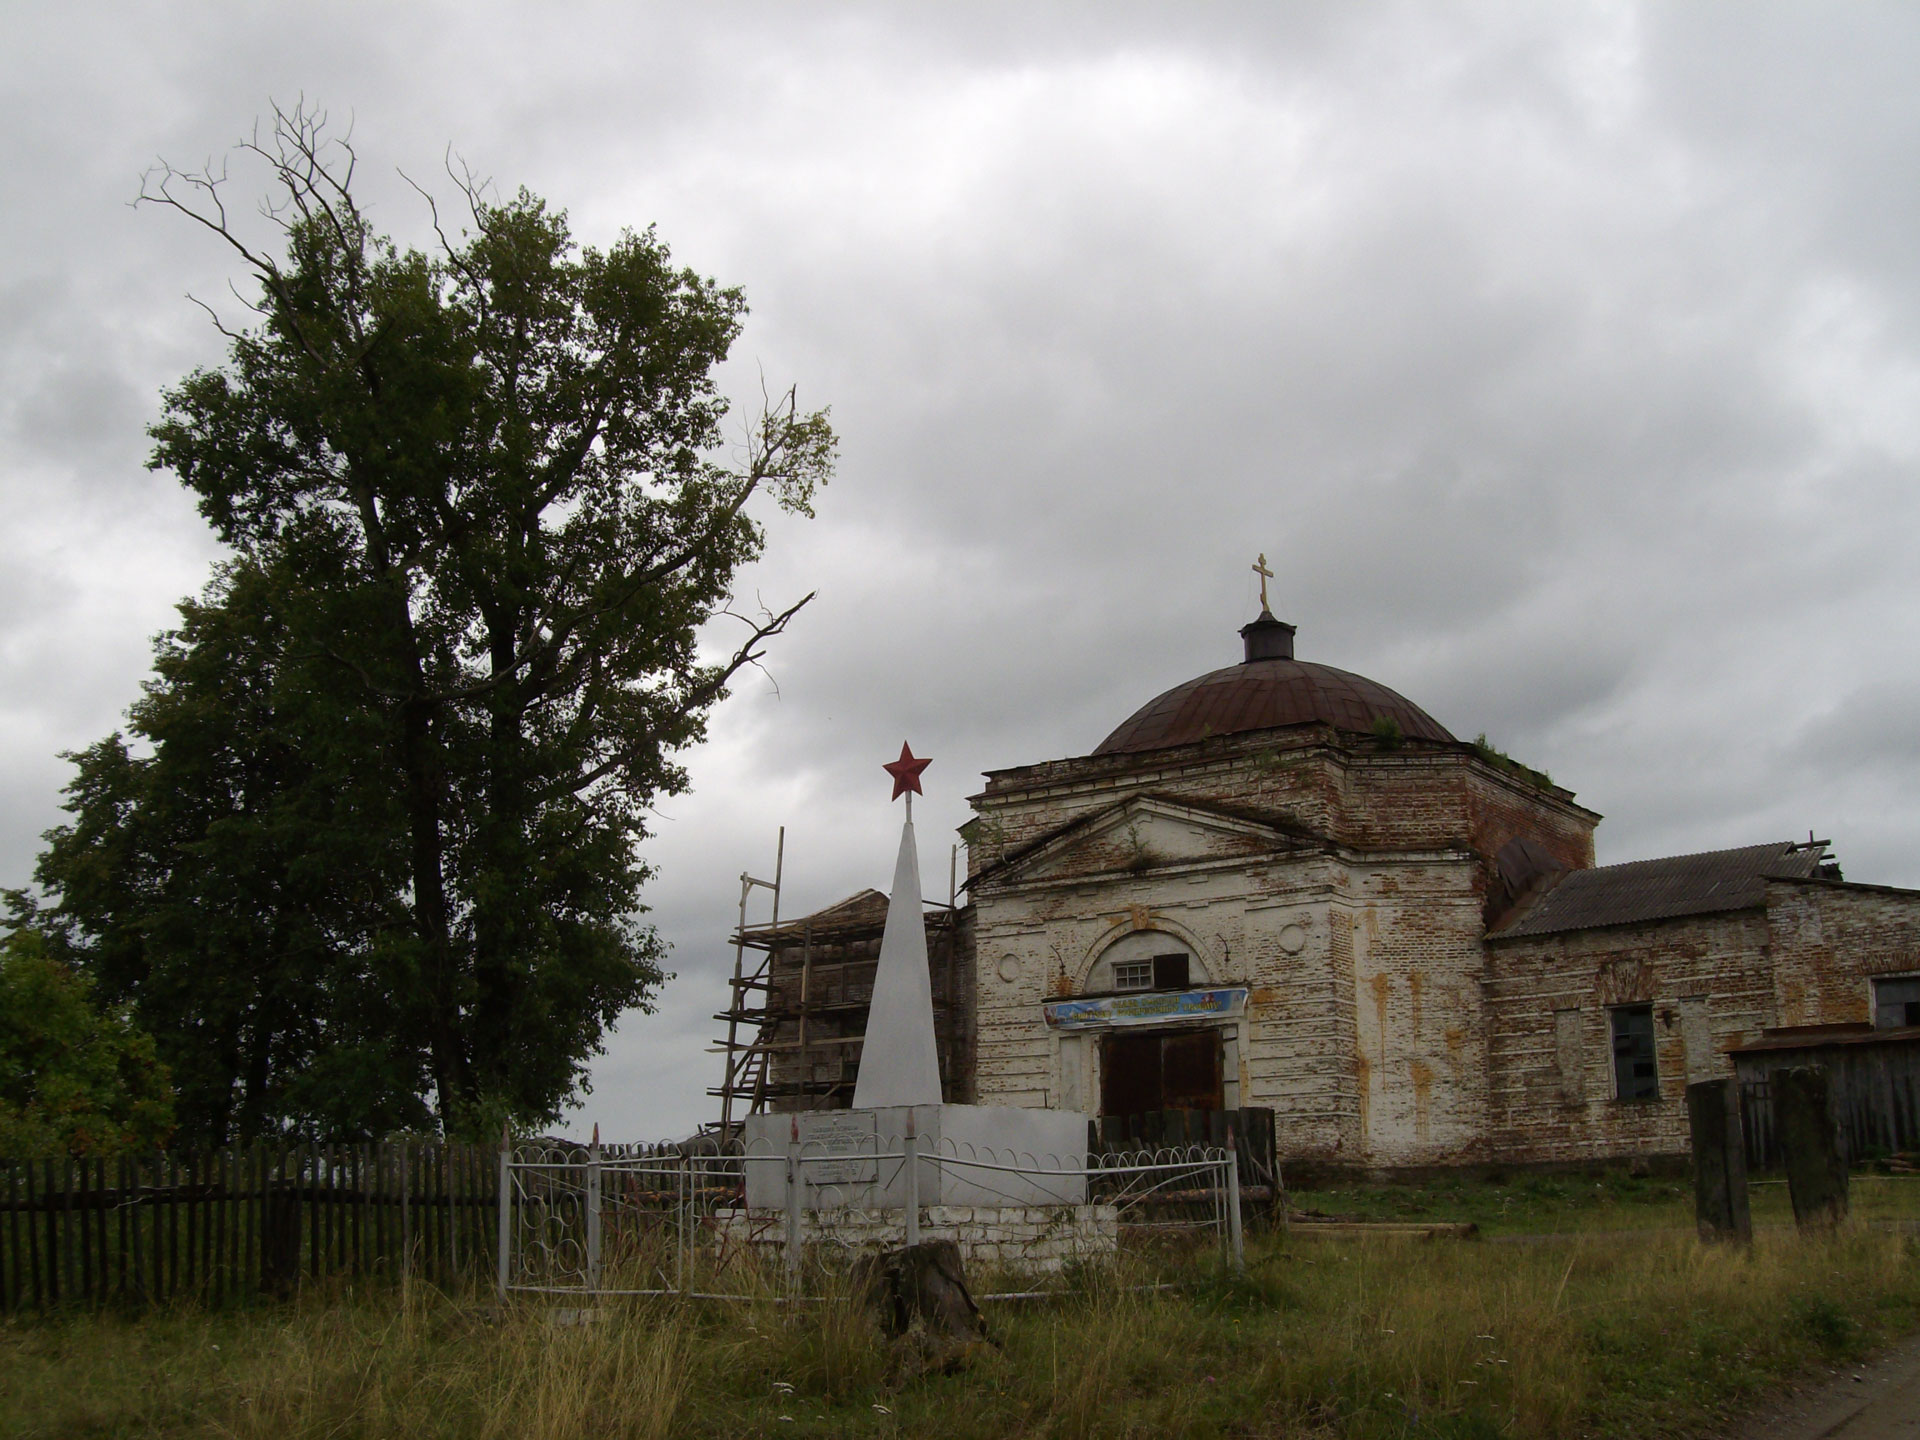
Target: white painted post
{"points": [[593, 1212], [910, 1144], [1234, 1238], [504, 1247], [794, 1186]]}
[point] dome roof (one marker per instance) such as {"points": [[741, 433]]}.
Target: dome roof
{"points": [[1268, 690]]}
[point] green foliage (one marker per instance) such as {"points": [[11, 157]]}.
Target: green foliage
{"points": [[1500, 760], [73, 1078], [383, 841], [1827, 1323], [1386, 730]]}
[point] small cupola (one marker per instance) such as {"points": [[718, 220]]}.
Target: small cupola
{"points": [[1267, 638]]}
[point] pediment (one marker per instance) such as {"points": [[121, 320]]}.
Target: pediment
{"points": [[1146, 833]]}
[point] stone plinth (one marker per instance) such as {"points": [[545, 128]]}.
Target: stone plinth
{"points": [[1033, 1238], [838, 1150]]}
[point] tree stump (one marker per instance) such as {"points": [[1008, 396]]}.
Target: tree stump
{"points": [[921, 1296]]}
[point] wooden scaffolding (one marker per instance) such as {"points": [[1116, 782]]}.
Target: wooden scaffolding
{"points": [[798, 1010]]}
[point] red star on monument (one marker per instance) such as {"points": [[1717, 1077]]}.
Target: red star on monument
{"points": [[906, 773]]}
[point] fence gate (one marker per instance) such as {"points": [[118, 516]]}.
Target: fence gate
{"points": [[606, 1221]]}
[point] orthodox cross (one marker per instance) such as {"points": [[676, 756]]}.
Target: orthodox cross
{"points": [[1260, 569]]}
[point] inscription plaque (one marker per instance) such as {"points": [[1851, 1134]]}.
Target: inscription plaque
{"points": [[837, 1147]]}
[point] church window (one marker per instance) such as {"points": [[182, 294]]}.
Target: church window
{"points": [[1896, 1003], [1635, 1072], [1133, 975], [1170, 972]]}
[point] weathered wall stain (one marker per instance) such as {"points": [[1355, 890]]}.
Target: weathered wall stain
{"points": [[1374, 866]]}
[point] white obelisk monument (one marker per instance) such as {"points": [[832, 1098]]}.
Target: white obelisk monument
{"points": [[900, 1063], [975, 1155]]}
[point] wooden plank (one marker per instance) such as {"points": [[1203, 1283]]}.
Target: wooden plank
{"points": [[59, 1259], [33, 1241], [356, 1227], [255, 1267], [376, 1203], [120, 1227], [9, 1248], [236, 1221], [390, 1208], [222, 1222], [80, 1223], [406, 1208], [356, 1173], [212, 1232], [453, 1214], [307, 1186], [12, 1296], [136, 1225], [326, 1210], [330, 1202], [103, 1227]]}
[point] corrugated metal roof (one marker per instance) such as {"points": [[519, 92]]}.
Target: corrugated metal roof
{"points": [[1263, 695], [1674, 885]]}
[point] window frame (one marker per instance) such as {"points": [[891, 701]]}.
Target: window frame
{"points": [[1626, 1085], [1139, 975], [1890, 981], [1172, 970]]}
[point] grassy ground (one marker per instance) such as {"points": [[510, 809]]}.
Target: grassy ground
{"points": [[1399, 1338], [1607, 1200]]}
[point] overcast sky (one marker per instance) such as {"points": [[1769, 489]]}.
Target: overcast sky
{"points": [[1563, 360]]}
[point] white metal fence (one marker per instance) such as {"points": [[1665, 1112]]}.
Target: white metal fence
{"points": [[659, 1220]]}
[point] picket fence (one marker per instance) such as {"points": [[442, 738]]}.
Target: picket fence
{"points": [[258, 1220]]}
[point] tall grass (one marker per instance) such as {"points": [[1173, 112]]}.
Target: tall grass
{"points": [[1615, 1334]]}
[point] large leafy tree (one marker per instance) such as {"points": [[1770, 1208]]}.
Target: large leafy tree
{"points": [[74, 1077], [481, 505], [236, 872]]}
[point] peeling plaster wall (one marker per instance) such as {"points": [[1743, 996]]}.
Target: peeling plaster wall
{"points": [[1419, 1024]]}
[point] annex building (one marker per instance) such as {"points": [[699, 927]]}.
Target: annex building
{"points": [[1284, 886]]}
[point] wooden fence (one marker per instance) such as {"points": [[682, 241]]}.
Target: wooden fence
{"points": [[1876, 1096], [255, 1220]]}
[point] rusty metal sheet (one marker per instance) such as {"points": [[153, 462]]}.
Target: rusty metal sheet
{"points": [[1267, 695]]}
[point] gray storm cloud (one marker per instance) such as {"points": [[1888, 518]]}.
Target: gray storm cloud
{"points": [[1564, 361]]}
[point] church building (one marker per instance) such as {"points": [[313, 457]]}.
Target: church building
{"points": [[1283, 886]]}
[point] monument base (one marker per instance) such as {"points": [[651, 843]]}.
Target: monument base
{"points": [[1023, 1238], [996, 1156]]}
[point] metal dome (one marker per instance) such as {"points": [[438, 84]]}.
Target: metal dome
{"points": [[1268, 690]]}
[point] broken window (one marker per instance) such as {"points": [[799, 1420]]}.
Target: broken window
{"points": [[1635, 1074], [1896, 1002], [1133, 975], [1170, 972]]}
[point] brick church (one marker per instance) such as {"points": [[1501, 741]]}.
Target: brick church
{"points": [[1284, 886]]}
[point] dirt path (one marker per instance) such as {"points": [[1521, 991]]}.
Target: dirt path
{"points": [[1877, 1401]]}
